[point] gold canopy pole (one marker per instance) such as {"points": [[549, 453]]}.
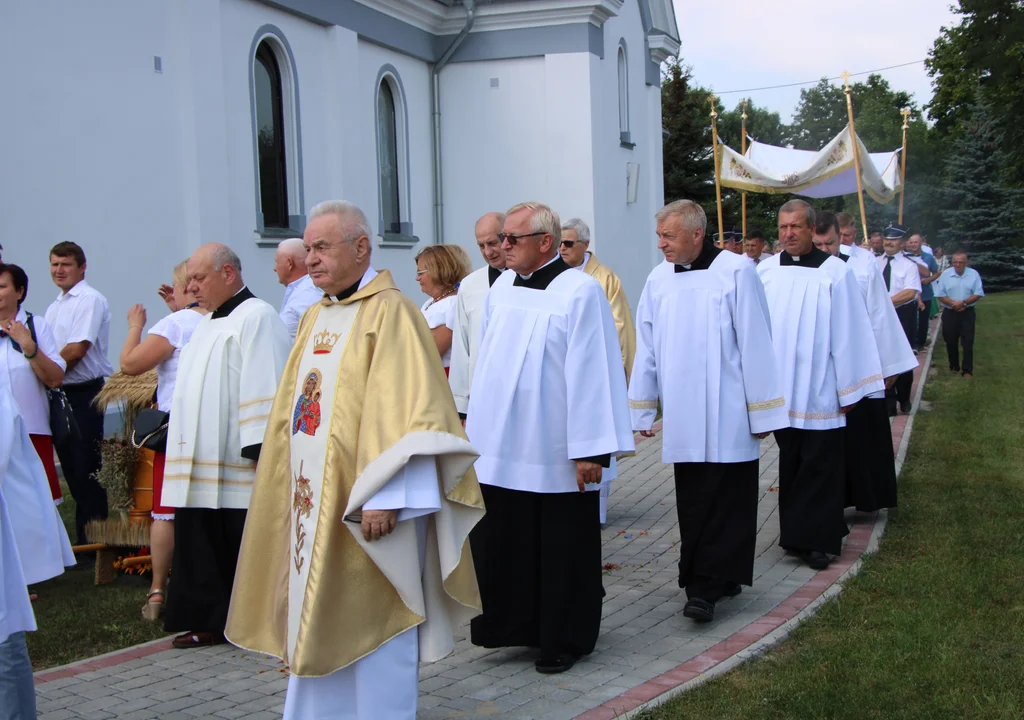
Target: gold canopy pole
{"points": [[718, 181], [905, 112], [856, 153], [743, 149]]}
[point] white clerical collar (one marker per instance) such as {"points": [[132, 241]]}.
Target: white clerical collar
{"points": [[368, 277], [586, 259], [556, 257]]}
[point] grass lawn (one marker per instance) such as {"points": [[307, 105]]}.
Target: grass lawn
{"points": [[79, 620], [933, 625]]}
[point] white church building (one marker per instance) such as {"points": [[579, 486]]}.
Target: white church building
{"points": [[141, 129]]}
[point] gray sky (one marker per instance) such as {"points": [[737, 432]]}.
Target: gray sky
{"points": [[737, 44]]}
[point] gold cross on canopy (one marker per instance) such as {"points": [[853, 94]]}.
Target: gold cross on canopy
{"points": [[905, 112]]}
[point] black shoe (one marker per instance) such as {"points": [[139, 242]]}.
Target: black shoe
{"points": [[905, 408], [555, 665], [816, 559], [699, 610], [732, 589]]}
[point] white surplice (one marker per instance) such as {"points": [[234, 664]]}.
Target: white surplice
{"points": [[824, 346], [894, 351], [227, 377], [15, 607], [466, 334], [383, 684], [548, 386], [704, 348], [39, 533]]}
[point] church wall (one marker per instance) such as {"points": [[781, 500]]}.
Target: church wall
{"points": [[623, 233], [515, 142], [90, 149]]}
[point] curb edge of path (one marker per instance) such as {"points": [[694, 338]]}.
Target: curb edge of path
{"points": [[770, 629]]}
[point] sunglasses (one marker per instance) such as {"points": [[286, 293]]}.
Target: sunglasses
{"points": [[570, 243], [513, 239]]}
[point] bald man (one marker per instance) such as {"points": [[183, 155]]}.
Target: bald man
{"points": [[470, 306], [299, 290], [227, 378]]}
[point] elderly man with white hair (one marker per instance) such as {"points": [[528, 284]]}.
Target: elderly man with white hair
{"points": [[227, 377], [299, 290], [355, 562], [548, 411], [574, 249]]}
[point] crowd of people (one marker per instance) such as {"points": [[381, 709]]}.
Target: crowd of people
{"points": [[460, 454]]}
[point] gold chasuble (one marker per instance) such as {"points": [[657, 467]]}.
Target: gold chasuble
{"points": [[609, 281], [363, 392]]}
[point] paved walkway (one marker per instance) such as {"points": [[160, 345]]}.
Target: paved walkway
{"points": [[646, 649]]}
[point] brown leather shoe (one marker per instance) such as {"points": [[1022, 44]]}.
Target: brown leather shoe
{"points": [[197, 639]]}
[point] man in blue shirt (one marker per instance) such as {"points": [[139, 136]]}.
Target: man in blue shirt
{"points": [[929, 270], [958, 291]]}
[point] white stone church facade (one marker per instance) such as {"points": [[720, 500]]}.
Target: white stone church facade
{"points": [[143, 128]]}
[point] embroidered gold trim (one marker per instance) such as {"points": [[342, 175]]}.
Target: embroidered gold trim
{"points": [[853, 388], [209, 463], [253, 419], [257, 401], [205, 481], [766, 405], [302, 504], [813, 416], [643, 404]]}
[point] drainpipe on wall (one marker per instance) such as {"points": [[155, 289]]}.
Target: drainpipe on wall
{"points": [[435, 104]]}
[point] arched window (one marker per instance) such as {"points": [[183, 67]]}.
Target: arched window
{"points": [[388, 160], [623, 96], [270, 138]]}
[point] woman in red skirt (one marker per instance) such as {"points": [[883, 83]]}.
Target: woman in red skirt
{"points": [[31, 360], [160, 351]]}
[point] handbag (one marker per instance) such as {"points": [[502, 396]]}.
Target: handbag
{"points": [[63, 427], [150, 430]]}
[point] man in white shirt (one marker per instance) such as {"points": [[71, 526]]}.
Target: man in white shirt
{"points": [[755, 246], [827, 359], [80, 321], [300, 292], [469, 308], [704, 349], [227, 377], [548, 411], [903, 281]]}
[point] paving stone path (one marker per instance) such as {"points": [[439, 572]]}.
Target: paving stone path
{"points": [[646, 648]]}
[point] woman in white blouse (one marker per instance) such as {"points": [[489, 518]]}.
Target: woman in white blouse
{"points": [[439, 270], [30, 362], [160, 350]]}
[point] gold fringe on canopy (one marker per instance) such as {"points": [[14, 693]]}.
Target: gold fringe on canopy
{"points": [[135, 391]]}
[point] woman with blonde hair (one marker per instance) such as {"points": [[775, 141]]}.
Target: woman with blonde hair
{"points": [[160, 351], [439, 270]]}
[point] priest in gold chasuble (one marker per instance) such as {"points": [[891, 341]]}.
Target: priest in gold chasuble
{"points": [[574, 249], [355, 563]]}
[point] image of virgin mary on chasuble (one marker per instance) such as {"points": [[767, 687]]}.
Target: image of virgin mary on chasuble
{"points": [[306, 417], [309, 588]]}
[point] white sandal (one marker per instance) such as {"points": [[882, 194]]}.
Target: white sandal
{"points": [[153, 610]]}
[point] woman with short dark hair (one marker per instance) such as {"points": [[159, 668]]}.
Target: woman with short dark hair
{"points": [[31, 359]]}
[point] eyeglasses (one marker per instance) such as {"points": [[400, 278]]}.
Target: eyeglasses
{"points": [[513, 239]]}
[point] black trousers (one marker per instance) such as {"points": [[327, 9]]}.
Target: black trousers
{"points": [[717, 508], [900, 392], [958, 327], [812, 489], [206, 545], [922, 324], [80, 462], [538, 564]]}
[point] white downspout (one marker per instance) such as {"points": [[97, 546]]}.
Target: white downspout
{"points": [[435, 103]]}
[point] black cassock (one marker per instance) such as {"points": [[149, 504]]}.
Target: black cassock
{"points": [[538, 559], [870, 460]]}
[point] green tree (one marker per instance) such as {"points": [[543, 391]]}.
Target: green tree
{"points": [[688, 165], [984, 51], [979, 209]]}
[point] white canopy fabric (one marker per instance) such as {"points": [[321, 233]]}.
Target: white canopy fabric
{"points": [[826, 173]]}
